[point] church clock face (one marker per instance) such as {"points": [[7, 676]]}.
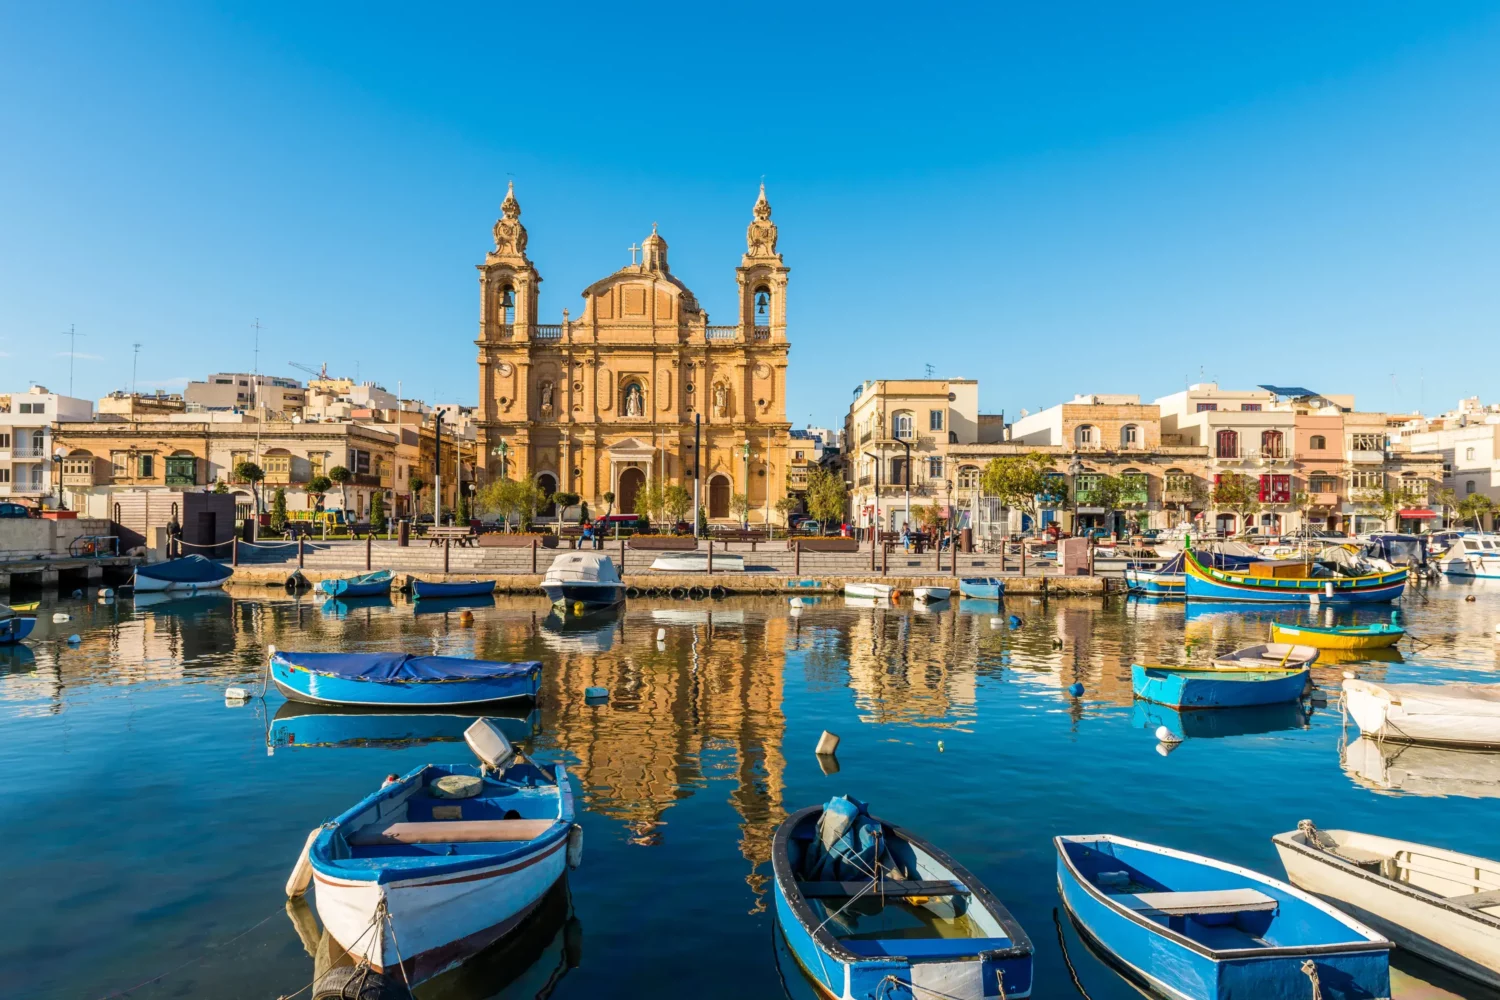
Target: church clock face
{"points": [[504, 368]]}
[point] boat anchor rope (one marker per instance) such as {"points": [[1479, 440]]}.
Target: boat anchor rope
{"points": [[883, 991], [1310, 969]]}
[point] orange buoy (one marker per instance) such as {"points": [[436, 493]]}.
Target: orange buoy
{"points": [[895, 595]]}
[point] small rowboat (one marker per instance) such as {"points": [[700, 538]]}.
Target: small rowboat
{"points": [[1217, 687], [986, 588], [188, 573], [880, 912], [1463, 716], [1192, 928], [23, 609], [400, 680], [1268, 656], [442, 863], [369, 585], [1438, 904], [926, 594], [462, 588], [697, 562], [14, 626], [1376, 635], [872, 591]]}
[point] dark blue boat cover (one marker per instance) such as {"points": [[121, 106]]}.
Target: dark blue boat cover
{"points": [[405, 667], [188, 569], [1218, 560], [847, 845]]}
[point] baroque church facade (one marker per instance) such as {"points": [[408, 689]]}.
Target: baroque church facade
{"points": [[609, 399]]}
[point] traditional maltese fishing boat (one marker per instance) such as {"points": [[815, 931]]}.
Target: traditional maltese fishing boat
{"points": [[1288, 583]]}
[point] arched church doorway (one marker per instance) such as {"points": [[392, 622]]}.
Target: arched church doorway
{"points": [[548, 484], [631, 481], [718, 496]]}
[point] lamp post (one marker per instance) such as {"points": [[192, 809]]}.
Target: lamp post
{"points": [[57, 458], [746, 452], [1075, 469], [906, 476]]}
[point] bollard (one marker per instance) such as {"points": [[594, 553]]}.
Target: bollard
{"points": [[954, 546], [622, 558], [369, 541], [797, 559], [445, 556], [938, 562], [301, 551], [710, 557], [1023, 557], [234, 551], [533, 555], [874, 534]]}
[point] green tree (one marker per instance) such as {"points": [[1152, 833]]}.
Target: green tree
{"points": [[1238, 494], [278, 510], [564, 501], [377, 512], [930, 517], [827, 497], [609, 500], [739, 506], [319, 487], [1474, 507], [786, 506], [702, 520], [650, 498], [341, 475], [249, 472], [220, 486], [1379, 500], [1024, 483], [676, 501]]}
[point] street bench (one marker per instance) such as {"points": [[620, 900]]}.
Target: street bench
{"points": [[444, 533]]}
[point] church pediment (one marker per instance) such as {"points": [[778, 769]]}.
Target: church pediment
{"points": [[631, 450]]}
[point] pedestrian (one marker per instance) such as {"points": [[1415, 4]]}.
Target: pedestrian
{"points": [[905, 536], [587, 539]]}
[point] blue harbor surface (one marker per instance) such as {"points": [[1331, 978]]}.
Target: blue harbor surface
{"points": [[152, 827]]}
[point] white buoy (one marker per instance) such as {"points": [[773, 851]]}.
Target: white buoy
{"points": [[74, 639], [797, 602], [1350, 675], [61, 616], [1165, 735], [107, 592], [661, 647], [661, 634], [996, 622], [827, 743], [795, 610], [1165, 749], [301, 876], [940, 746], [236, 694]]}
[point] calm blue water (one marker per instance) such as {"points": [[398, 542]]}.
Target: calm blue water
{"points": [[150, 831]]}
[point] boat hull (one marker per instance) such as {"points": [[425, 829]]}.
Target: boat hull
{"points": [[154, 585], [594, 595], [1385, 718], [1220, 688], [358, 586], [1182, 969], [302, 685], [870, 591], [983, 589], [926, 594], [1208, 584], [1142, 581], [16, 628], [1334, 638], [468, 588], [1458, 938], [694, 562]]}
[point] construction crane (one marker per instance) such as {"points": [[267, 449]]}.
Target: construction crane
{"points": [[321, 373]]}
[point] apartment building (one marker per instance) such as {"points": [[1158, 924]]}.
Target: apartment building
{"points": [[244, 391], [1467, 441], [28, 453]]}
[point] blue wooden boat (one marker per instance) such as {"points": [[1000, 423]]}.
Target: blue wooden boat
{"points": [[1178, 687], [1226, 722], [881, 913], [301, 725], [1192, 928], [1170, 579], [984, 588], [369, 585], [1206, 583], [462, 588], [14, 627], [400, 680], [440, 864]]}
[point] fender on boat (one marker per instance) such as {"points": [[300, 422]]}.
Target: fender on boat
{"points": [[302, 872]]}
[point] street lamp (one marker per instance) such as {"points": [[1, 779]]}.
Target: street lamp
{"points": [[747, 453], [57, 458], [503, 450]]}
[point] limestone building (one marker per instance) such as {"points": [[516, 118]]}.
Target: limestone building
{"points": [[606, 400]]}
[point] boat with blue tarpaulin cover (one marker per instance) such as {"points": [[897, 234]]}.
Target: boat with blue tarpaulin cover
{"points": [[367, 585], [192, 572], [400, 680]]}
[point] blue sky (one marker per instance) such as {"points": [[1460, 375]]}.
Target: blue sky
{"points": [[1083, 198]]}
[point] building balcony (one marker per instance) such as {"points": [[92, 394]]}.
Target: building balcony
{"points": [[364, 479], [387, 480], [77, 479], [26, 453], [722, 333], [1177, 496], [1326, 499], [547, 331], [281, 479], [1366, 457]]}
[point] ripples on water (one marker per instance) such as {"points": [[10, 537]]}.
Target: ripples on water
{"points": [[148, 823]]}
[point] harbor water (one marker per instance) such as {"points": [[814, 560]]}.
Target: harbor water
{"points": [[151, 827]]}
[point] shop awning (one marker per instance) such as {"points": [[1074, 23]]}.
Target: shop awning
{"points": [[1416, 514]]}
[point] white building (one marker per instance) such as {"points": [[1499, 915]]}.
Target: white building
{"points": [[26, 467], [1468, 437], [242, 391]]}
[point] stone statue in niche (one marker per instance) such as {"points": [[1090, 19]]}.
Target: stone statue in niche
{"points": [[546, 396], [635, 400], [721, 400]]}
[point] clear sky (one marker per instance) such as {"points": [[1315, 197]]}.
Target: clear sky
{"points": [[1051, 198]]}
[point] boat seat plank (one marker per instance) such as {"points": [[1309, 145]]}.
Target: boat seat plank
{"points": [[1478, 900], [1182, 904], [462, 831], [891, 887]]}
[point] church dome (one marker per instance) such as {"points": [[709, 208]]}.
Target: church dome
{"points": [[655, 251]]}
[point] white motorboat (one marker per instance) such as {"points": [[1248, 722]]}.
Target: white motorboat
{"points": [[697, 562], [1403, 769], [1268, 656], [1465, 716], [926, 594], [190, 573], [1474, 555], [871, 591], [1438, 904], [583, 578]]}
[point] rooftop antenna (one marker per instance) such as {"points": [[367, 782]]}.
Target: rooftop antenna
{"points": [[134, 362], [72, 334], [930, 370]]}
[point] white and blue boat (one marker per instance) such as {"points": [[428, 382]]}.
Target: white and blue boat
{"points": [[460, 588], [984, 588], [586, 578], [401, 680], [1169, 579], [189, 573], [440, 864], [299, 725], [1205, 583], [1218, 687], [374, 584], [870, 910], [1192, 928], [14, 626]]}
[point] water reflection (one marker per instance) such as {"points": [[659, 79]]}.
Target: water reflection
{"points": [[1222, 722], [301, 725], [1418, 770]]}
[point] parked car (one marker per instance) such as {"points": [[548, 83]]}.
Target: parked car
{"points": [[14, 510]]}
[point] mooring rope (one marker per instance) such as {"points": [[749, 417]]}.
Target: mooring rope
{"points": [[194, 959], [1310, 969], [1063, 944]]}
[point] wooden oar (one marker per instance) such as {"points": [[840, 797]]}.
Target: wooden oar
{"points": [[1288, 656]]}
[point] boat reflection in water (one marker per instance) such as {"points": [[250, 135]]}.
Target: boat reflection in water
{"points": [[1221, 722], [182, 602], [527, 964], [16, 658], [302, 725], [590, 632], [445, 605], [1408, 769], [342, 607]]}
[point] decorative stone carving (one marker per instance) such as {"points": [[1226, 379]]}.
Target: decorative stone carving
{"points": [[760, 237], [721, 399], [634, 399], [510, 235]]}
